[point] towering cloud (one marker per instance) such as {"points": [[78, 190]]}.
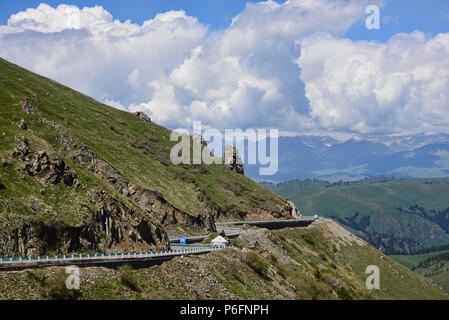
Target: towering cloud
{"points": [[277, 65], [246, 75], [102, 57], [401, 86]]}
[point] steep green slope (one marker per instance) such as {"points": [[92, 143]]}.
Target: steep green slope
{"points": [[322, 261], [399, 216], [69, 164]]}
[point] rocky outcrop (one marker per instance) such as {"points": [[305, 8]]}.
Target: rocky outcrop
{"points": [[28, 108], [143, 116], [39, 165], [290, 209], [112, 226], [50, 172], [151, 202], [233, 160], [22, 148]]}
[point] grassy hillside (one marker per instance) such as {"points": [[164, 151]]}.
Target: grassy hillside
{"points": [[396, 215], [322, 261], [121, 164]]}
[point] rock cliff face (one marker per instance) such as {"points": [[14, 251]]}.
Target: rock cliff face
{"points": [[111, 226], [233, 159]]}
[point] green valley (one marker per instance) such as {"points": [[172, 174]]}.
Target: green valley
{"points": [[396, 216]]}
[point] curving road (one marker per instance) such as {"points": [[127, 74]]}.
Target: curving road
{"points": [[181, 250]]}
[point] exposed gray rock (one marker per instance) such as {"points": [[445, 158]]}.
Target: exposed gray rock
{"points": [[22, 149], [142, 115], [39, 165], [233, 160], [50, 172], [28, 107], [291, 209], [50, 123]]}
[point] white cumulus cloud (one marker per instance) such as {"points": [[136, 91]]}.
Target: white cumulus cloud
{"points": [[89, 51], [246, 76], [401, 86]]}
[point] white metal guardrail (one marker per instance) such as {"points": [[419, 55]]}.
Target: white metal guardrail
{"points": [[106, 256]]}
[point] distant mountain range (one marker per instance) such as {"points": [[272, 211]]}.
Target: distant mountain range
{"points": [[323, 157]]}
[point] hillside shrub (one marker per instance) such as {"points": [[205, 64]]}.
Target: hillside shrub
{"points": [[256, 262]]}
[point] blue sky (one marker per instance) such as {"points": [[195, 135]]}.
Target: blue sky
{"points": [[215, 13], [431, 16], [295, 65]]}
